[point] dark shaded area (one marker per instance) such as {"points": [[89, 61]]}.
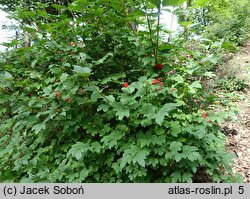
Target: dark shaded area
{"points": [[202, 177], [10, 5], [227, 131]]}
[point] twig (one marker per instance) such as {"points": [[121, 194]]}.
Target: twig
{"points": [[150, 29]]}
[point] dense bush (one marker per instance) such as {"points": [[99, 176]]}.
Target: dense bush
{"points": [[94, 100], [224, 19]]}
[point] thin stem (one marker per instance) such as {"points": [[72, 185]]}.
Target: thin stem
{"points": [[150, 31], [102, 95], [72, 13], [47, 37], [158, 35]]}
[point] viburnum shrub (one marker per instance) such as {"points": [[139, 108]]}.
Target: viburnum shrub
{"points": [[99, 111]]}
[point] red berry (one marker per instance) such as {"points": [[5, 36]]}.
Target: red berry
{"points": [[57, 80], [69, 100], [30, 94], [219, 165], [155, 81], [126, 84], [204, 115], [170, 165]]}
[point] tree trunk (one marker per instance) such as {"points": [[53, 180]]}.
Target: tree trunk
{"points": [[26, 40]]}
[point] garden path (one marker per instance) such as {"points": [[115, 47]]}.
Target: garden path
{"points": [[238, 137]]}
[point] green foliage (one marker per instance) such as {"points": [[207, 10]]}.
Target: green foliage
{"points": [[233, 84], [224, 19], [172, 2], [67, 114]]}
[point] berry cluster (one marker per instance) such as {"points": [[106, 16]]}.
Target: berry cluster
{"points": [[69, 100], [157, 81], [159, 66], [57, 94]]}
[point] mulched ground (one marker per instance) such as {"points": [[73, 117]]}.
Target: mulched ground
{"points": [[238, 132]]}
